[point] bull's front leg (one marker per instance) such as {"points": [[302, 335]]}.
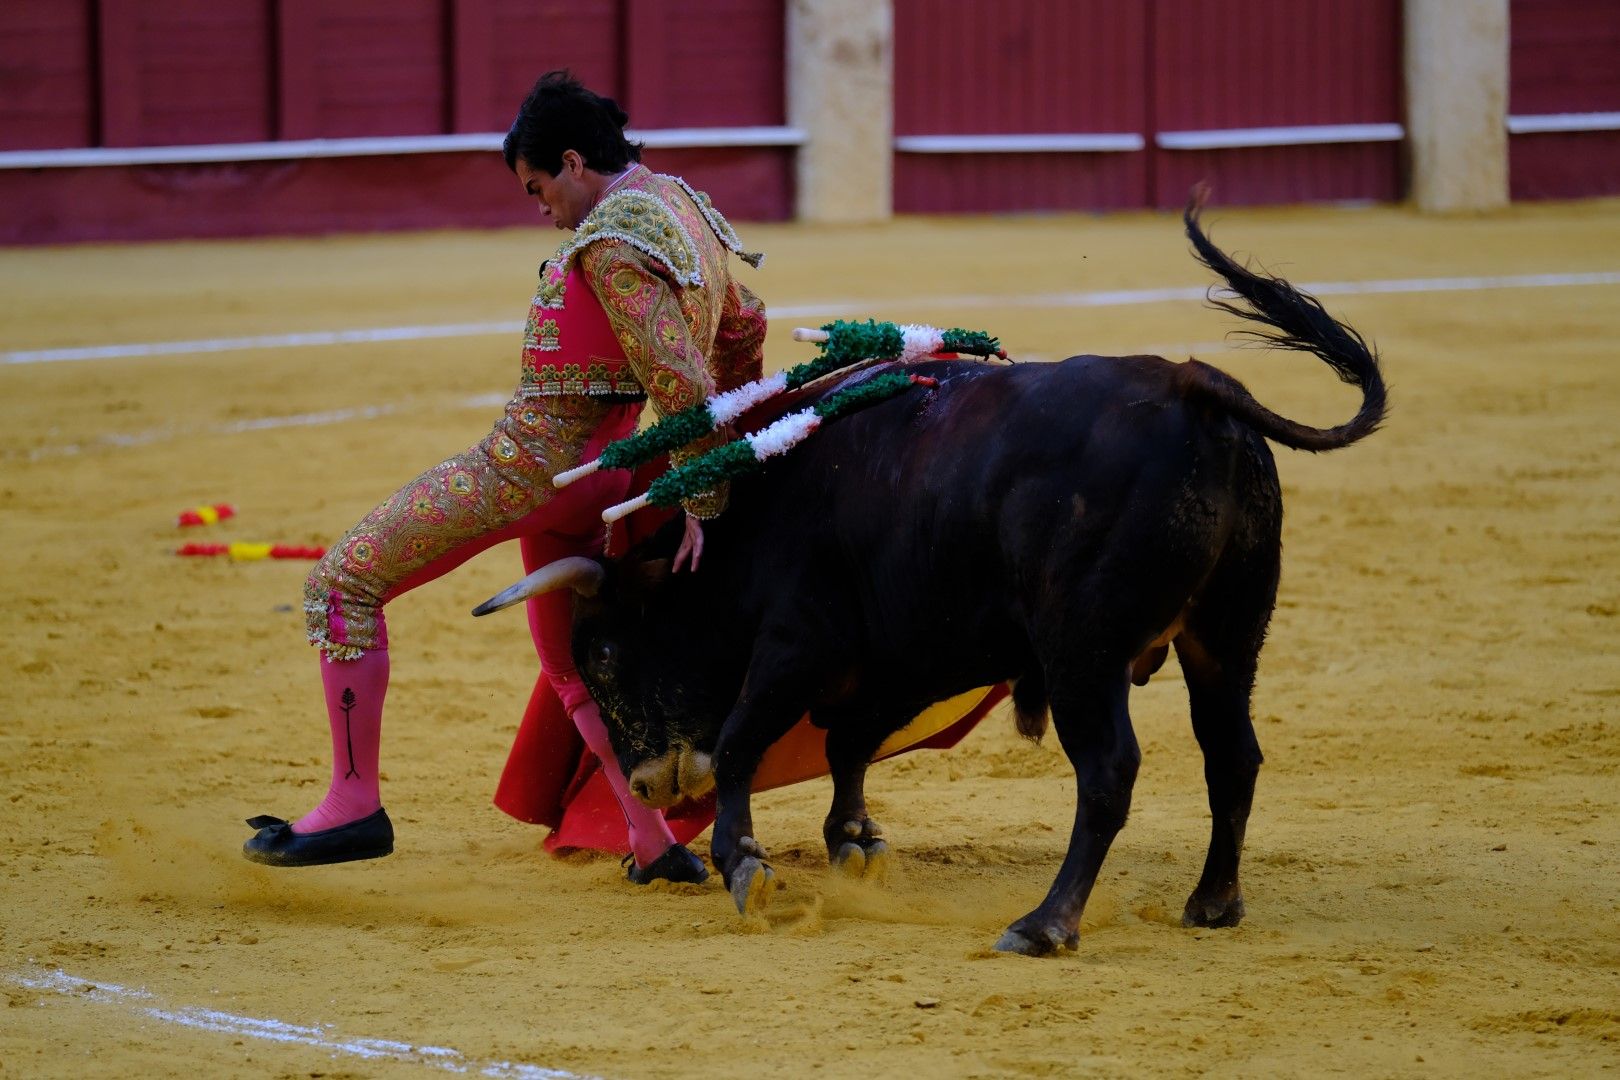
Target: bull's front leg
{"points": [[762, 715], [854, 840]]}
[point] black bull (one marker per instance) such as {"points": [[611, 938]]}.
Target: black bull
{"points": [[1057, 526]]}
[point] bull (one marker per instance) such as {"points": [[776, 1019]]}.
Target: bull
{"points": [[1058, 527]]}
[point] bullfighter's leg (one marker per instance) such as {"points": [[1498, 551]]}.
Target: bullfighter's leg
{"points": [[551, 616], [1094, 725], [497, 490], [854, 840]]}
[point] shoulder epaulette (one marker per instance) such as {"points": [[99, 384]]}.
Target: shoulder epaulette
{"points": [[717, 221], [646, 224]]}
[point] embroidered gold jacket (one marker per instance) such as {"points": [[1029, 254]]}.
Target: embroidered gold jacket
{"points": [[656, 255]]}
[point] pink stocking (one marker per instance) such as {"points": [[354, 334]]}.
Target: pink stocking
{"points": [[551, 620], [354, 704], [649, 835]]}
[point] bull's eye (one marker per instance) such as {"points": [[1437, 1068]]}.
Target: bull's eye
{"points": [[605, 656]]}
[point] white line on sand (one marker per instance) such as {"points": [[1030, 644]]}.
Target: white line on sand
{"points": [[827, 309], [125, 440], [143, 1003]]}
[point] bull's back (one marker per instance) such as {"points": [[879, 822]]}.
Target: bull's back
{"points": [[951, 510], [996, 456]]}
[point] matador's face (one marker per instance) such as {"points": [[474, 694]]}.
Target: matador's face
{"points": [[564, 199]]}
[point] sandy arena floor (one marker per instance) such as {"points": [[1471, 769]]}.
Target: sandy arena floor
{"points": [[1431, 872]]}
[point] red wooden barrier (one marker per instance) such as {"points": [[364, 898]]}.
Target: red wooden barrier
{"points": [[976, 67], [184, 71], [166, 73], [1153, 68], [46, 72], [1565, 59], [1265, 64]]}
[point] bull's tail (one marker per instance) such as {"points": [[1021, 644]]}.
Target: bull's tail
{"points": [[1296, 321]]}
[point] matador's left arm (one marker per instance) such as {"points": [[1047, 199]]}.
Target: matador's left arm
{"points": [[646, 317]]}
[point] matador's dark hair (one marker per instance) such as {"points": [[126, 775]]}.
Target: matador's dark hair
{"points": [[561, 114]]}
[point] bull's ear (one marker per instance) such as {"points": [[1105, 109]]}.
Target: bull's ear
{"points": [[651, 573]]}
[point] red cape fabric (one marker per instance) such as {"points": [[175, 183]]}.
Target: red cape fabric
{"points": [[551, 780]]}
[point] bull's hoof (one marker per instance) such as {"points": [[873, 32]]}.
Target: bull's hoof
{"points": [[850, 858], [1043, 943], [866, 860], [752, 883], [877, 861], [1212, 912]]}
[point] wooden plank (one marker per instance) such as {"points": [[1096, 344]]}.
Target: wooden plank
{"points": [[1565, 58], [1018, 69], [46, 70], [204, 71], [298, 29], [118, 35], [649, 73], [1223, 68], [471, 78], [533, 37], [382, 68]]}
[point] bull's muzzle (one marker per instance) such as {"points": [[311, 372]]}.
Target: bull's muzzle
{"points": [[681, 773]]}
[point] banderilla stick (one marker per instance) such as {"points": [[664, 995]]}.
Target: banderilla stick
{"points": [[624, 509]]}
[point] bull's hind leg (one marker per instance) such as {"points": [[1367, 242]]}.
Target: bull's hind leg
{"points": [[1219, 650], [1218, 689], [1090, 714], [854, 840]]}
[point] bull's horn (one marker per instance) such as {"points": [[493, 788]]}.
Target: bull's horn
{"points": [[582, 575], [804, 333]]}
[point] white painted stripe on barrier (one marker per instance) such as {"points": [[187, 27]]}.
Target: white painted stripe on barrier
{"points": [[297, 149], [142, 1003], [1542, 123], [1108, 142], [1302, 135], [828, 309]]}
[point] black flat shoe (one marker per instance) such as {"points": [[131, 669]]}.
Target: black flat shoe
{"points": [[676, 864], [275, 844]]}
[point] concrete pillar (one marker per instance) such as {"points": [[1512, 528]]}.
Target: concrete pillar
{"points": [[1456, 103], [841, 93]]}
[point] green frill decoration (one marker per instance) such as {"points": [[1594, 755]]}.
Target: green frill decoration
{"points": [[671, 433], [847, 343], [856, 398], [971, 343], [851, 342], [705, 474], [737, 457]]}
